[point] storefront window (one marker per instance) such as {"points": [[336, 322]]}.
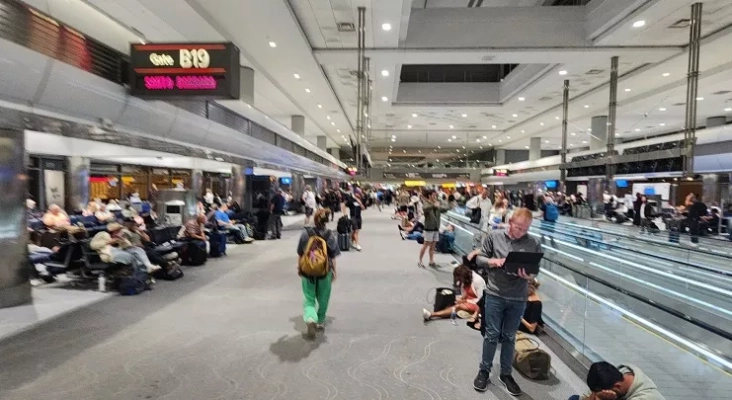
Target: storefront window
{"points": [[104, 187], [180, 179]]}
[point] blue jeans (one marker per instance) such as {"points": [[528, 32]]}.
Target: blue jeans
{"points": [[574, 397], [501, 318]]}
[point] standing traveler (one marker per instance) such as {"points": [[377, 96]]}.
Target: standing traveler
{"points": [[481, 209], [433, 208], [696, 210], [355, 205], [308, 198], [504, 298], [317, 249], [276, 210], [637, 204]]}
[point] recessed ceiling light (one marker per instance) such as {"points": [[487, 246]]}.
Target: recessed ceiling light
{"points": [[463, 146], [494, 126], [499, 140], [272, 44], [662, 124], [618, 134], [451, 127], [589, 129], [546, 141], [307, 90], [404, 151], [439, 147], [639, 24], [394, 136], [662, 109], [523, 131], [637, 129], [508, 137], [386, 26], [587, 106], [465, 115], [384, 98], [526, 147], [728, 109], [557, 118], [437, 160], [409, 126], [485, 137], [393, 140], [384, 72], [332, 123], [628, 89], [584, 141], [699, 98], [562, 72], [490, 144], [666, 74], [454, 137], [414, 115], [338, 130], [514, 115], [449, 140], [477, 140], [327, 117], [320, 106], [541, 123], [572, 133], [297, 76], [521, 98]]}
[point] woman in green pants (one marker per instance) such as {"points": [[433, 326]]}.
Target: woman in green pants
{"points": [[316, 291]]}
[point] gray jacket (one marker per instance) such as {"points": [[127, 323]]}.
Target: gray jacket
{"points": [[643, 387]]}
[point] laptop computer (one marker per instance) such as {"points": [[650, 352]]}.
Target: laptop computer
{"points": [[521, 259]]}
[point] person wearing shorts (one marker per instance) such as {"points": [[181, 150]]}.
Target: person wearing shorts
{"points": [[432, 209], [355, 205], [472, 286], [308, 198]]}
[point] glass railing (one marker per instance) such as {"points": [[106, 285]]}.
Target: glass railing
{"points": [[607, 307]]}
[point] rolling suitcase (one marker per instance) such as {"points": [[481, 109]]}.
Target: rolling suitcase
{"points": [[344, 241], [195, 253], [217, 242]]}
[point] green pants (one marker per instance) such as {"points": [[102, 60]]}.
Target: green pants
{"points": [[316, 290]]}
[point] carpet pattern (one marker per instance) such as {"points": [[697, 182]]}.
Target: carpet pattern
{"points": [[233, 330]]}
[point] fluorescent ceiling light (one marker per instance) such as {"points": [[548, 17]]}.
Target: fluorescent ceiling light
{"points": [[386, 26], [562, 72], [662, 109], [662, 124], [546, 141], [449, 140], [514, 115], [451, 127], [327, 117], [628, 89], [508, 137], [584, 141], [320, 106], [523, 131], [272, 44], [307, 90], [699, 98], [338, 130], [557, 118], [297, 76], [454, 137], [414, 115], [541, 123], [637, 129], [485, 137], [477, 140], [521, 98], [393, 140], [587, 106], [409, 126], [639, 24], [728, 109], [465, 115], [666, 74], [526, 147], [493, 126]]}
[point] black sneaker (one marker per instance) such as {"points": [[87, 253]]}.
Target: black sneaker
{"points": [[510, 384], [480, 383]]}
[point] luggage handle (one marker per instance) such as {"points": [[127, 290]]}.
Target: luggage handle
{"points": [[530, 340]]}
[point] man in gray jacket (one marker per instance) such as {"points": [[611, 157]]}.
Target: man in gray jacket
{"points": [[626, 382], [504, 297]]}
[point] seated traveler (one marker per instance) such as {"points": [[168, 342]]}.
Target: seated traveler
{"points": [[194, 229], [532, 321], [238, 230], [104, 215], [138, 238], [472, 286], [56, 218], [90, 209], [626, 382], [114, 248]]}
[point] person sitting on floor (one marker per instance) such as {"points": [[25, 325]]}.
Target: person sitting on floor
{"points": [[412, 230], [626, 382], [472, 286], [532, 321], [56, 218]]}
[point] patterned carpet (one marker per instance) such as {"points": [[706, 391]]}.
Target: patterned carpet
{"points": [[233, 330]]}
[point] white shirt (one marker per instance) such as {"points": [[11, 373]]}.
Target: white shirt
{"points": [[208, 198], [309, 199]]}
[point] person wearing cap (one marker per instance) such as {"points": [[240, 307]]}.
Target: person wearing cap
{"points": [[114, 248]]}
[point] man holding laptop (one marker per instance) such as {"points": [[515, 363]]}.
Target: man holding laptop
{"points": [[511, 259]]}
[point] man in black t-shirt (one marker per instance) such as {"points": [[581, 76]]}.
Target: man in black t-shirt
{"points": [[276, 210], [355, 205], [697, 210]]}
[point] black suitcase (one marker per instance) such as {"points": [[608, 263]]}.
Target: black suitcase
{"points": [[344, 241], [217, 243], [195, 254]]}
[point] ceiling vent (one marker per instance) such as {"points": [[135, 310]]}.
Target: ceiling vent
{"points": [[721, 92], [680, 104], [681, 24], [594, 72], [346, 27], [545, 98]]}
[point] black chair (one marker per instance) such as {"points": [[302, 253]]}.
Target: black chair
{"points": [[93, 266]]}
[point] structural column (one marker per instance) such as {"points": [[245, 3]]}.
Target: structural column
{"points": [[246, 85], [238, 184], [195, 191], [335, 152], [563, 151], [598, 136], [610, 132], [15, 286], [322, 143], [77, 182], [500, 157], [535, 149], [298, 124]]}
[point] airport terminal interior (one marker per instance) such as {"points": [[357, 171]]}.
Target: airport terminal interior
{"points": [[366, 199]]}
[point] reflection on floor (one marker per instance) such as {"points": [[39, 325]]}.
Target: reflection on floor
{"points": [[233, 330]]}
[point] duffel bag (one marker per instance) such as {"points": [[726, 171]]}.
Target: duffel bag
{"points": [[531, 361]]}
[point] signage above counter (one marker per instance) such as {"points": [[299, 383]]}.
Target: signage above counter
{"points": [[427, 175], [200, 71]]}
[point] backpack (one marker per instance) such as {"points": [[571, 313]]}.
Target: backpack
{"points": [[551, 212], [314, 262], [344, 225], [531, 361], [134, 283]]}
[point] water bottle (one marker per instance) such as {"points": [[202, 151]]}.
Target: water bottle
{"points": [[102, 281], [453, 316]]}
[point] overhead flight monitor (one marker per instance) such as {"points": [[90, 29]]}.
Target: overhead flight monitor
{"points": [[201, 71]]}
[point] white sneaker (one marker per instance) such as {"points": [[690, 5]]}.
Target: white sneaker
{"points": [[357, 247], [153, 268], [426, 314]]}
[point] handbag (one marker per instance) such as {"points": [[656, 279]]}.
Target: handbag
{"points": [[531, 361]]}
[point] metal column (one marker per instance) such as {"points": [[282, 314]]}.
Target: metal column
{"points": [[612, 117], [359, 86], [563, 152], [692, 89]]}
